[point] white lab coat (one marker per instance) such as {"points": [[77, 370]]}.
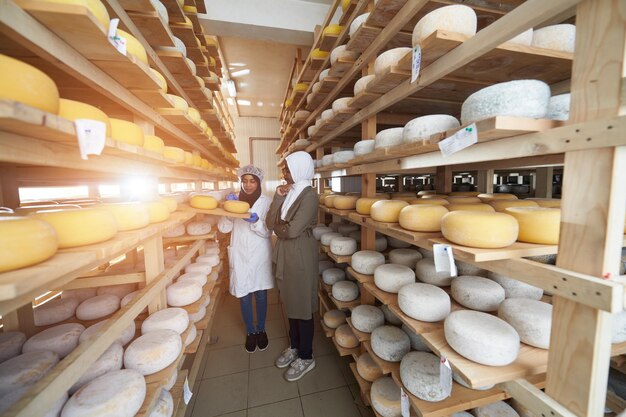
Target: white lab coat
{"points": [[250, 251]]}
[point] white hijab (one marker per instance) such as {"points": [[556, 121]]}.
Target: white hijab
{"points": [[302, 169]]}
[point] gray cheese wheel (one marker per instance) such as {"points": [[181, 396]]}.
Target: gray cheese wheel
{"points": [[25, 369], [417, 343], [390, 343], [343, 246], [331, 276], [477, 293], [11, 344], [425, 272], [345, 291], [424, 302], [531, 319], [99, 306], [406, 257], [366, 261], [497, 409], [385, 396], [366, 318], [390, 316], [61, 339], [516, 289], [420, 374], [111, 360], [55, 311], [164, 406], [153, 352], [392, 277]]}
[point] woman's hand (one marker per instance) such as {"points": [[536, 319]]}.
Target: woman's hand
{"points": [[282, 190]]}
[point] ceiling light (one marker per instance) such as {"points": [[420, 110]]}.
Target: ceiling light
{"points": [[259, 103], [244, 102], [240, 73], [243, 85], [237, 64], [230, 85]]}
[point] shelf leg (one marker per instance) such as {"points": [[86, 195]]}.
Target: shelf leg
{"points": [[153, 253]]}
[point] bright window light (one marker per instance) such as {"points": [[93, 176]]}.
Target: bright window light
{"points": [[51, 193], [240, 73], [230, 85], [244, 102]]}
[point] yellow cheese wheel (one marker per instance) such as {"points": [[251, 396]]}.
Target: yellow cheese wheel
{"points": [[364, 205], [171, 203], [197, 160], [333, 29], [301, 87], [153, 143], [494, 196], [430, 201], [73, 110], [158, 211], [422, 217], [188, 158], [480, 229], [234, 206], [181, 3], [547, 202], [174, 153], [317, 54], [79, 227], [212, 61], [209, 131], [204, 163], [25, 241], [179, 102], [502, 204], [203, 202], [129, 216], [537, 224], [464, 194], [345, 4], [23, 211], [387, 211], [161, 78], [470, 207], [204, 126], [133, 46], [26, 84], [345, 202], [463, 199], [190, 9], [288, 102], [194, 115], [329, 200], [94, 6], [127, 132]]}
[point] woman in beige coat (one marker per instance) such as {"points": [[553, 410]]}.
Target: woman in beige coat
{"points": [[292, 215]]}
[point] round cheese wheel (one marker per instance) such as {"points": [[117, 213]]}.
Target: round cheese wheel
{"points": [[481, 337], [556, 37], [342, 157], [422, 217], [390, 343], [387, 211], [11, 344], [388, 59], [98, 307], [174, 153], [129, 216], [118, 393], [477, 293], [345, 291], [334, 318], [61, 339], [212, 259], [327, 114], [366, 318], [201, 267], [126, 132], [239, 207], [322, 76], [392, 277], [172, 318], [618, 331], [320, 230], [367, 368], [183, 293], [398, 244], [547, 202], [366, 261], [357, 23], [302, 143], [341, 104], [344, 336], [329, 200], [390, 316], [364, 205], [487, 197], [497, 409], [362, 83], [176, 231], [162, 82], [111, 360], [425, 271], [93, 331], [502, 204], [516, 289], [345, 202], [388, 137], [164, 406], [119, 290], [153, 351], [191, 336], [328, 237], [26, 84], [55, 311], [464, 268], [537, 224], [80, 227], [203, 202], [199, 315], [364, 147], [342, 53], [130, 297], [197, 277], [417, 343], [25, 369], [345, 229], [424, 302], [469, 207], [198, 228], [343, 246], [558, 108], [531, 319], [423, 127], [480, 229], [133, 46], [420, 374], [385, 397], [73, 110], [455, 18], [454, 199], [81, 294], [331, 276], [520, 98], [524, 38], [406, 257], [324, 265]]}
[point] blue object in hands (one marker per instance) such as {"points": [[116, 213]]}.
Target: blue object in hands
{"points": [[232, 196], [253, 218]]}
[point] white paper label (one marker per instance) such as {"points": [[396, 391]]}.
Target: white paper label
{"points": [[460, 140], [404, 403], [91, 136], [445, 375], [444, 259], [417, 62], [117, 41], [187, 394]]}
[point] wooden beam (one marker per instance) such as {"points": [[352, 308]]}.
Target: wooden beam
{"points": [[443, 181], [543, 182], [153, 256], [103, 280], [526, 393]]}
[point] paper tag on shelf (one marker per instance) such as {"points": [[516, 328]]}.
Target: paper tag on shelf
{"points": [[445, 375], [187, 394], [460, 140], [117, 41], [404, 403], [416, 63], [91, 136], [444, 259]]}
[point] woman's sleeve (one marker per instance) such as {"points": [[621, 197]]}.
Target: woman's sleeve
{"points": [[225, 224], [302, 219], [259, 226], [273, 214]]}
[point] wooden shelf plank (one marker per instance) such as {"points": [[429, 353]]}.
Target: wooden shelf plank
{"points": [[187, 239], [383, 296], [185, 33], [362, 278], [386, 367], [364, 385], [392, 78], [345, 351], [215, 212], [174, 11], [363, 99], [362, 336], [156, 32], [344, 305], [340, 259], [155, 99], [193, 346], [419, 327], [177, 389], [341, 67], [327, 42], [516, 250]]}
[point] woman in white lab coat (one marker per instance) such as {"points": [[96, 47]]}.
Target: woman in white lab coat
{"points": [[250, 256]]}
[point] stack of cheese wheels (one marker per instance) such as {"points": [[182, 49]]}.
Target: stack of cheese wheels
{"points": [[390, 343], [406, 257], [387, 211], [424, 302], [537, 224], [389, 59], [531, 319], [477, 293], [172, 318], [425, 271], [366, 261], [345, 291], [80, 227], [366, 318], [334, 318], [367, 368], [345, 337], [11, 344], [364, 205], [345, 202], [456, 18], [94, 331], [343, 246], [421, 375], [392, 277], [55, 311], [385, 397], [502, 204], [98, 307], [42, 92], [61, 339], [111, 360], [388, 137], [422, 217], [73, 110], [153, 351], [129, 216], [332, 276], [25, 241], [480, 229], [183, 293], [203, 202], [516, 289], [423, 127], [157, 211]]}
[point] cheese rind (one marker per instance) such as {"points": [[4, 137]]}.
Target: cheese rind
{"points": [[111, 360], [367, 368], [556, 37], [387, 211], [424, 302], [364, 205], [366, 261], [129, 216], [72, 110], [530, 318], [334, 318], [406, 257], [363, 147], [477, 293], [198, 228], [455, 18], [61, 339], [390, 343], [345, 202], [421, 375], [153, 351], [392, 277], [25, 369], [480, 229], [164, 406], [366, 318], [343, 246], [388, 137], [55, 311], [11, 344], [516, 289], [539, 225], [344, 336], [26, 84], [97, 307], [332, 276], [80, 227], [172, 318], [203, 202], [388, 59], [501, 205], [25, 241], [425, 271], [385, 397], [92, 331], [126, 132], [345, 291], [497, 409], [422, 217], [239, 207], [423, 127]]}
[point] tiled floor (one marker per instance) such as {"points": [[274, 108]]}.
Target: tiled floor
{"points": [[237, 384]]}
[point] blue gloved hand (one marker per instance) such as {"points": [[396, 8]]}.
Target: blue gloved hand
{"points": [[253, 218], [232, 196]]}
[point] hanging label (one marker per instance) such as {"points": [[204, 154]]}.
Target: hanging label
{"points": [[445, 375], [91, 136], [187, 394], [460, 140], [117, 41], [416, 63], [444, 259], [404, 403]]}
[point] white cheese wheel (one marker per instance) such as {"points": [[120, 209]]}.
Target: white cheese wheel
{"points": [[11, 344], [464, 268], [417, 343], [497, 409], [176, 231], [324, 265], [524, 38], [199, 315], [123, 339], [387, 211], [385, 397], [425, 271], [119, 290], [327, 160], [302, 143], [457, 378], [477, 293], [406, 257], [420, 374], [424, 302], [390, 316], [328, 114], [618, 333], [345, 291], [334, 318], [328, 237], [357, 23], [191, 336], [197, 277], [200, 268], [539, 225], [363, 147], [423, 127], [398, 244], [130, 297], [341, 104], [558, 108], [55, 311], [97, 307], [480, 229], [212, 259], [311, 131], [81, 294], [161, 10], [481, 337], [198, 228], [111, 360], [316, 87], [332, 276], [153, 351], [388, 59], [344, 336], [556, 37], [341, 52], [366, 261], [531, 319], [342, 157], [367, 368], [380, 244], [516, 289], [392, 277], [390, 343], [164, 406], [388, 137], [180, 45], [183, 293], [366, 318], [520, 98], [117, 393], [15, 395], [455, 18], [25, 369], [171, 381], [318, 231], [323, 75], [61, 339], [362, 83], [343, 246], [343, 228], [172, 318], [422, 217]]}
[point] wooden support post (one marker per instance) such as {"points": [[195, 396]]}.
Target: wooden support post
{"points": [[443, 182], [484, 181], [93, 190], [543, 182], [10, 190], [21, 320], [153, 254]]}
